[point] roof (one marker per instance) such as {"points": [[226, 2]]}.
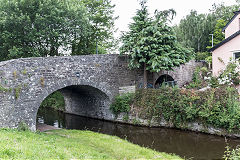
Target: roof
{"points": [[225, 41], [235, 15]]}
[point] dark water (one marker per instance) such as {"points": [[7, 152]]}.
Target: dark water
{"points": [[183, 143]]}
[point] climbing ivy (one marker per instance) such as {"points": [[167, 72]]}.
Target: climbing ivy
{"points": [[217, 107]]}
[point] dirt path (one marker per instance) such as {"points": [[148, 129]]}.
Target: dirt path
{"points": [[44, 127]]}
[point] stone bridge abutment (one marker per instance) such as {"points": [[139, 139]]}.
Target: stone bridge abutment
{"points": [[87, 101], [88, 83]]}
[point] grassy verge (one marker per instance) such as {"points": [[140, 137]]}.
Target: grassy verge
{"points": [[71, 144]]}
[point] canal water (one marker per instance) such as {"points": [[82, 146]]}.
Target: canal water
{"points": [[189, 145]]}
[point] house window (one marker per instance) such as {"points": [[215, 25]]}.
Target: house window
{"points": [[236, 55]]}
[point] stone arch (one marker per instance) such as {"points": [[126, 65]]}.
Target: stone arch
{"points": [[81, 87], [164, 78]]}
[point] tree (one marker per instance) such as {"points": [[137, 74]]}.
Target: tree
{"points": [[40, 27], [193, 30], [151, 43], [218, 36], [100, 36], [221, 11]]}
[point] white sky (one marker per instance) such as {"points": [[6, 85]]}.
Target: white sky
{"points": [[126, 9]]}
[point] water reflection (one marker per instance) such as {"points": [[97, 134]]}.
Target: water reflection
{"points": [[183, 143]]}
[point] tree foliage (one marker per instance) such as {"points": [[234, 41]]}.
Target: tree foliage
{"points": [[30, 28], [217, 33], [193, 30], [221, 11], [151, 41], [39, 27], [100, 33]]}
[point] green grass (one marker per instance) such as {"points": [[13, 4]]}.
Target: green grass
{"points": [[71, 144]]}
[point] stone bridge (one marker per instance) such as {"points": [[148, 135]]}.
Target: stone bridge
{"points": [[88, 84]]}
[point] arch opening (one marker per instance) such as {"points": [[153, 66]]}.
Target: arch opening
{"points": [[80, 100], [166, 80]]}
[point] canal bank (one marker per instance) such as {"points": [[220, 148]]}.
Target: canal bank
{"points": [[192, 127], [71, 144], [213, 111], [183, 143]]}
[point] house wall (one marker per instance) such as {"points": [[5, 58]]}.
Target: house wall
{"points": [[233, 27], [225, 52]]}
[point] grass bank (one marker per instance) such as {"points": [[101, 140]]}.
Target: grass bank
{"points": [[71, 144]]}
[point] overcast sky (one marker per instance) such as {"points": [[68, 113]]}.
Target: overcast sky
{"points": [[126, 9]]}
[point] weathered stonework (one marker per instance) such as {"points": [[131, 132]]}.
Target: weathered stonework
{"points": [[88, 83], [181, 74], [160, 122]]}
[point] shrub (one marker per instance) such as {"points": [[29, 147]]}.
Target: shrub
{"points": [[122, 103], [22, 126], [218, 107], [198, 78], [145, 104], [209, 60], [214, 82], [231, 154], [204, 71], [231, 74], [202, 56]]}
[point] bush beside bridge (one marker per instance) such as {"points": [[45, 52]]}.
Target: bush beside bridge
{"points": [[217, 107]]}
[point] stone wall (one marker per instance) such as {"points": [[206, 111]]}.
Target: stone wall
{"points": [[160, 122], [182, 74], [88, 83], [86, 101]]}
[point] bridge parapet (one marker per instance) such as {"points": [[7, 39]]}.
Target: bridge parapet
{"points": [[25, 83], [88, 83]]}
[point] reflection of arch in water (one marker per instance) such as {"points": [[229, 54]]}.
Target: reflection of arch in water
{"points": [[81, 97], [83, 100], [165, 80]]}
